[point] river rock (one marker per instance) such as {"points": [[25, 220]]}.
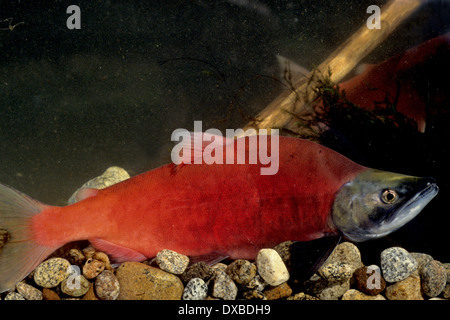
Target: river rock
{"points": [[302, 296], [271, 267], [48, 294], [111, 176], [257, 283], [369, 280], [333, 290], [196, 289], [407, 289], [241, 271], [198, 270], [278, 292], [103, 257], [14, 296], [284, 250], [433, 277], [107, 286], [224, 288], [75, 285], [142, 282], [93, 268], [28, 292], [397, 264], [51, 272], [76, 257], [90, 294], [447, 270], [336, 271], [172, 261], [421, 258], [253, 295], [344, 253], [446, 291], [353, 294]]}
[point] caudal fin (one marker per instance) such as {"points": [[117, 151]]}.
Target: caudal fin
{"points": [[21, 254]]}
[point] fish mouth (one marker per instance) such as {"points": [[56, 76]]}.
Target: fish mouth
{"points": [[408, 210]]}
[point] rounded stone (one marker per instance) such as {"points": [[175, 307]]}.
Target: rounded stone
{"points": [[333, 290], [336, 271], [141, 282], [369, 280], [224, 288], [76, 256], [241, 271], [345, 253], [75, 285], [447, 269], [197, 270], [271, 267], [407, 289], [48, 294], [434, 277], [278, 292], [51, 272], [93, 268], [397, 264], [111, 176], [14, 296], [107, 286], [196, 289], [103, 257], [257, 283], [172, 261], [446, 291], [421, 258], [353, 294], [28, 292]]}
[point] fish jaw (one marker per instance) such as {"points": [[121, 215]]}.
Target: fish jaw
{"points": [[376, 203]]}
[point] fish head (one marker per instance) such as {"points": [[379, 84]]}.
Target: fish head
{"points": [[376, 203]]}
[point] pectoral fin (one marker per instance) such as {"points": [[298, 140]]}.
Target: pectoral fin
{"points": [[308, 256]]}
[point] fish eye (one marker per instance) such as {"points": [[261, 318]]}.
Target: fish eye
{"points": [[389, 196]]}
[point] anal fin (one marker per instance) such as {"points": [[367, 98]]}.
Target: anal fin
{"points": [[117, 253]]}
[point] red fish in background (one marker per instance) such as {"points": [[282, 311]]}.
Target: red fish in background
{"points": [[413, 80], [196, 209]]}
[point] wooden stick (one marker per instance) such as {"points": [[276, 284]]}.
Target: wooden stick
{"points": [[278, 114]]}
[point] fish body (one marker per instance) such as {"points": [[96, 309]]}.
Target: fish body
{"points": [[196, 209]]}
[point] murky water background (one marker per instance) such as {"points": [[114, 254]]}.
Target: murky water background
{"points": [[74, 102]]}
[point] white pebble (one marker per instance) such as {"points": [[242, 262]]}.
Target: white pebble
{"points": [[196, 289], [271, 267]]}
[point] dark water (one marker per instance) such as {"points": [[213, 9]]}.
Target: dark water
{"points": [[74, 102]]}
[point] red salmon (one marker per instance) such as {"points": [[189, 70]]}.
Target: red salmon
{"points": [[197, 209], [409, 80]]}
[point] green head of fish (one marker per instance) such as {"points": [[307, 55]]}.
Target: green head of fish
{"points": [[376, 203]]}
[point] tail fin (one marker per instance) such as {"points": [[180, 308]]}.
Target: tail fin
{"points": [[20, 255]]}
